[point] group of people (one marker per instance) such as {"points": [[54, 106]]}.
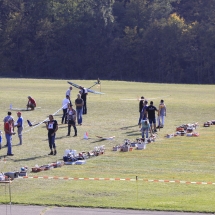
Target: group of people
{"points": [[70, 116], [9, 125], [147, 118], [69, 113]]}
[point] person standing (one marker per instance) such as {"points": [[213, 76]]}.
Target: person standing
{"points": [[145, 128], [161, 113], [65, 106], [7, 117], [141, 104], [19, 125], [1, 139], [150, 111], [6, 120], [8, 129], [52, 127], [145, 105], [68, 93], [84, 93], [31, 103], [79, 102], [71, 115]]}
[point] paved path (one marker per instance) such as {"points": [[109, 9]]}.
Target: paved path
{"points": [[43, 210]]}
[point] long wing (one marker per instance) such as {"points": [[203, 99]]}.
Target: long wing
{"points": [[95, 92], [106, 138], [88, 89], [160, 97], [73, 84], [45, 120]]}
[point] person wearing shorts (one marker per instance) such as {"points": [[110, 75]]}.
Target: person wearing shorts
{"points": [[150, 111]]}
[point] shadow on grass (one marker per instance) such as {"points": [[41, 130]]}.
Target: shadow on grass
{"points": [[127, 127], [98, 141], [135, 134], [58, 138], [101, 140], [130, 132], [31, 158]]}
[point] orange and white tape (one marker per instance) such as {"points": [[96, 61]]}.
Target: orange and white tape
{"points": [[116, 179]]}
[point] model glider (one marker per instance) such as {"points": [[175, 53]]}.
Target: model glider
{"points": [[106, 138], [23, 109], [31, 124], [44, 121], [88, 89], [160, 97]]}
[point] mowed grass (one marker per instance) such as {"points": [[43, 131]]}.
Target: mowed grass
{"points": [[181, 158]]}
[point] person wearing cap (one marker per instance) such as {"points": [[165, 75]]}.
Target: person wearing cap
{"points": [[150, 111], [31, 103], [71, 115], [8, 129], [79, 102], [65, 106], [19, 125], [68, 93], [52, 127]]}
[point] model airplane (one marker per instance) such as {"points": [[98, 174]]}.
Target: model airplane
{"points": [[137, 99], [31, 124], [44, 121], [23, 109], [106, 138], [88, 89]]}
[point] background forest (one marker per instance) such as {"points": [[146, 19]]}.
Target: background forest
{"points": [[164, 41]]}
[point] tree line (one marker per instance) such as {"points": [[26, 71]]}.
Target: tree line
{"points": [[163, 41]]}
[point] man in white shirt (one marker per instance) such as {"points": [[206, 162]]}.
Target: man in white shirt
{"points": [[65, 106], [68, 93]]}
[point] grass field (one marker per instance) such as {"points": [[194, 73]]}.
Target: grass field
{"points": [[181, 158]]}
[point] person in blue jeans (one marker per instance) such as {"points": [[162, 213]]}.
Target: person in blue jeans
{"points": [[145, 128], [19, 125], [79, 103], [52, 127], [8, 128], [141, 105], [0, 139]]}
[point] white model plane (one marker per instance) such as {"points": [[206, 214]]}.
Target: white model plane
{"points": [[88, 89], [106, 138]]}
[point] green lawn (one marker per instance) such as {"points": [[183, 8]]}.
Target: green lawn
{"points": [[180, 158]]}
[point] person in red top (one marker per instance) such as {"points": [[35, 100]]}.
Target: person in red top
{"points": [[8, 129], [31, 103]]}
